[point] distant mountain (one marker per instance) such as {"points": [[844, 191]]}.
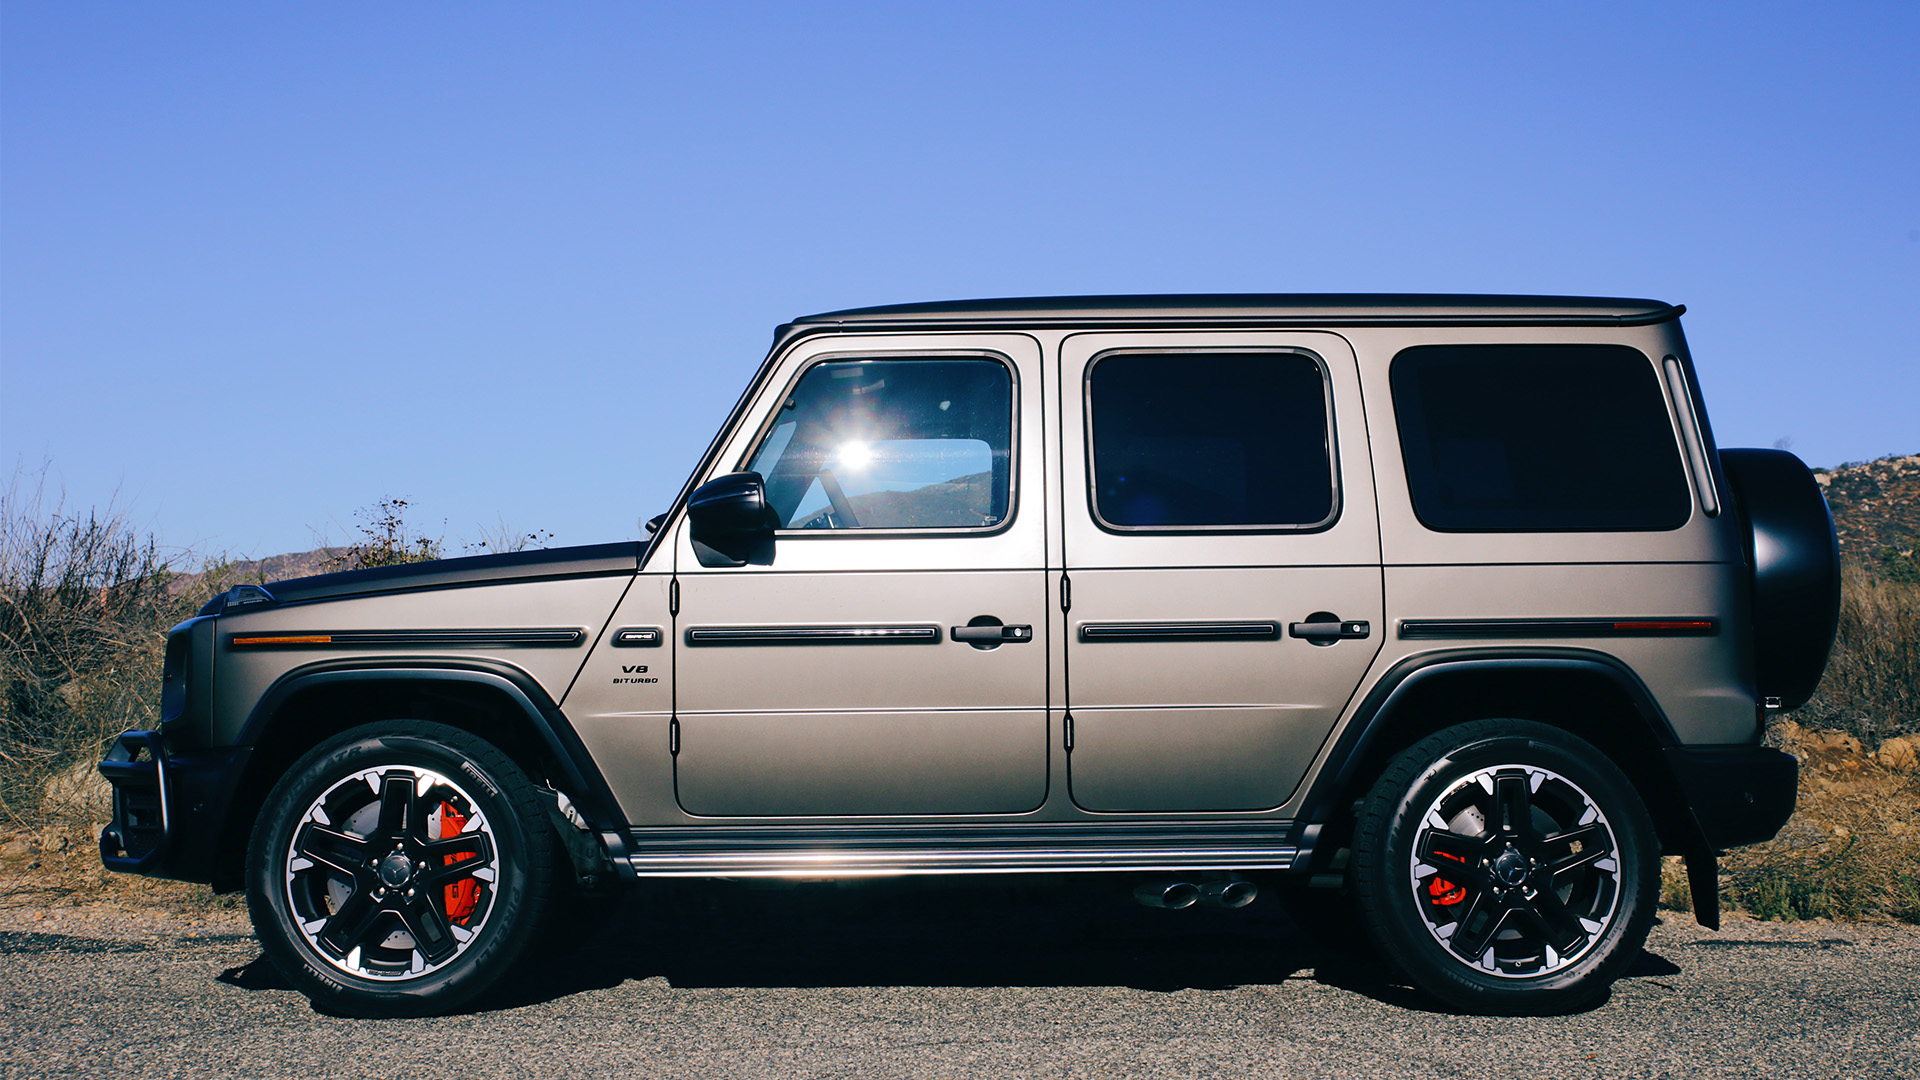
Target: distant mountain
{"points": [[958, 503], [294, 564], [1875, 504]]}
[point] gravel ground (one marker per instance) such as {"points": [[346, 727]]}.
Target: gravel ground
{"points": [[900, 979]]}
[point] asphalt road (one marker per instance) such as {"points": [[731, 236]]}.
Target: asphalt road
{"points": [[901, 979]]}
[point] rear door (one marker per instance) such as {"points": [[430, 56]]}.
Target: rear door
{"points": [[890, 659], [1223, 564]]}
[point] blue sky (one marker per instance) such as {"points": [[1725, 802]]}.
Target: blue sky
{"points": [[264, 264]]}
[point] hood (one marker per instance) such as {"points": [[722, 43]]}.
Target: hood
{"points": [[592, 560]]}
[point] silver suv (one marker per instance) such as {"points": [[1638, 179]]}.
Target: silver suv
{"points": [[1445, 608]]}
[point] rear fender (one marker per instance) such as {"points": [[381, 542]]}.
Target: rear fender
{"points": [[1589, 694]]}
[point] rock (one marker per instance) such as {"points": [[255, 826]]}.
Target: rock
{"points": [[1898, 753]]}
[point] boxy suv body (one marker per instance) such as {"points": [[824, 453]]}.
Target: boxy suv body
{"points": [[1450, 604]]}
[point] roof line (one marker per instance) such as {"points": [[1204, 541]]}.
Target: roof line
{"points": [[1249, 320]]}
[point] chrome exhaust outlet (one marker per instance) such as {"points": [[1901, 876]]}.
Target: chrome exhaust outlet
{"points": [[1170, 895], [1228, 894]]}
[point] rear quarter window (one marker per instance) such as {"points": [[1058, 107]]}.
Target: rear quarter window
{"points": [[1537, 438]]}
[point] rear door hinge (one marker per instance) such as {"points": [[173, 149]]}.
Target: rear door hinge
{"points": [[1068, 725], [1066, 593], [673, 596], [673, 737]]}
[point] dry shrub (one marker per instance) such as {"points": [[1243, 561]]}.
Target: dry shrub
{"points": [[1871, 689], [386, 539], [83, 609], [85, 603]]}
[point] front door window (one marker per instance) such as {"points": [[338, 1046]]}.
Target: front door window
{"points": [[893, 444]]}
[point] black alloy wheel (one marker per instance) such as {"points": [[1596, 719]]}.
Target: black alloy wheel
{"points": [[1506, 867], [399, 869]]}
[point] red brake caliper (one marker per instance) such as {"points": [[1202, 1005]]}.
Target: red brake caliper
{"points": [[1443, 892], [464, 895]]}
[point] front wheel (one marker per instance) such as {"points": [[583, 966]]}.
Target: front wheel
{"points": [[1506, 867], [398, 869]]}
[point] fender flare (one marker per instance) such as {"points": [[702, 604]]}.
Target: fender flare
{"points": [[1361, 735], [587, 786]]}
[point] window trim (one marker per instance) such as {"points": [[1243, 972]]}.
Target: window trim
{"points": [[1338, 502], [765, 431], [1666, 408]]}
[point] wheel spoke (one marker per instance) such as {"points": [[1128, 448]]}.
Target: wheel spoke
{"points": [[438, 871], [1553, 921], [396, 805], [432, 934], [345, 928], [472, 843], [341, 851], [1595, 843], [1478, 923], [1513, 804], [1457, 856]]}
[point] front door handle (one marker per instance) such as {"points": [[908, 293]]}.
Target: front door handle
{"points": [[1323, 628], [987, 635]]}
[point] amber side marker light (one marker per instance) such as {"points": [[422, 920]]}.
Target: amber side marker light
{"points": [[285, 639]]}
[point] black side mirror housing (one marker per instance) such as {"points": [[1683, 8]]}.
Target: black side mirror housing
{"points": [[730, 522]]}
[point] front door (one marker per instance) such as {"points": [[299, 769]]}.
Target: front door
{"points": [[890, 657], [1223, 561]]}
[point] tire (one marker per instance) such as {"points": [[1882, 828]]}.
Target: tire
{"points": [[1506, 913], [364, 897]]}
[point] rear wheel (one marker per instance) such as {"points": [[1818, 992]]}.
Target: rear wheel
{"points": [[398, 868], [1506, 867]]}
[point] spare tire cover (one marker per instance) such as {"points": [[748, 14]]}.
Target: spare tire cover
{"points": [[1796, 570]]}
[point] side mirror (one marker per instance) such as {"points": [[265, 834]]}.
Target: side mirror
{"points": [[730, 522]]}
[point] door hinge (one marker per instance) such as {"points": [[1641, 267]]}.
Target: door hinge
{"points": [[1066, 594], [673, 737], [673, 596], [1068, 725]]}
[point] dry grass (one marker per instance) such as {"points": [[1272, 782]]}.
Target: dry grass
{"points": [[1871, 689], [1851, 849]]}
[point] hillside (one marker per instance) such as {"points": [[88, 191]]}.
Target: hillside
{"points": [[1876, 506]]}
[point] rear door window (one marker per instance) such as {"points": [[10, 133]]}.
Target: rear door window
{"points": [[1198, 441], [1537, 438]]}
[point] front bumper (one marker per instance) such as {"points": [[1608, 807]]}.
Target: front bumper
{"points": [[1739, 794], [169, 808]]}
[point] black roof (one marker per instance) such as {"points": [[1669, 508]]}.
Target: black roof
{"points": [[1322, 309]]}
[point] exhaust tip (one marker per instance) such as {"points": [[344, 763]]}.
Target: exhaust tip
{"points": [[1228, 894], [1169, 895]]}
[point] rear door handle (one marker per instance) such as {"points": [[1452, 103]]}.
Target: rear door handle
{"points": [[992, 634], [1328, 631]]}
